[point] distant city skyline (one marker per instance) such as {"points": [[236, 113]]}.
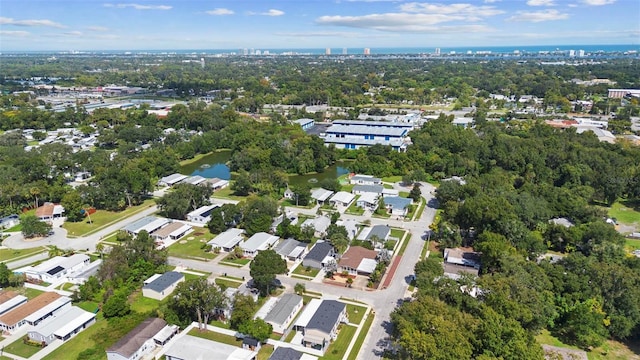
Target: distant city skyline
{"points": [[331, 24]]}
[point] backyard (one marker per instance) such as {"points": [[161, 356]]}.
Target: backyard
{"points": [[626, 212], [338, 348], [193, 246], [610, 350], [19, 348], [306, 271], [103, 218]]}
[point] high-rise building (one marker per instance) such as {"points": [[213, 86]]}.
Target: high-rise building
{"points": [[202, 63], [344, 51], [437, 51], [580, 53], [327, 51], [367, 51], [572, 53], [245, 51]]}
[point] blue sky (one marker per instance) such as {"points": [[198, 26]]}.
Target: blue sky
{"points": [[281, 24]]}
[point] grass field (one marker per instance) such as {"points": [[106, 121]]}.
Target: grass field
{"points": [[25, 291], [227, 193], [355, 313], [228, 283], [392, 179], [405, 243], [214, 336], [610, 350], [103, 218], [14, 228], [14, 254], [338, 348], [301, 270], [240, 262], [141, 304], [626, 212], [19, 348], [360, 340], [192, 246], [633, 244], [397, 233]]}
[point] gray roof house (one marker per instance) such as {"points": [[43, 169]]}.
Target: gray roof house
{"points": [[319, 255], [319, 224], [281, 315], [285, 353], [360, 179], [227, 240], [160, 286], [258, 242], [321, 195], [397, 205], [361, 189], [172, 179], [138, 342], [323, 325], [381, 231], [291, 249], [147, 223], [9, 221], [62, 325]]}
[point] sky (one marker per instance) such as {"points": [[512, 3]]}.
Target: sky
{"points": [[61, 25]]}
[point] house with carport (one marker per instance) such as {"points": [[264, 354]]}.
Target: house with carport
{"points": [[62, 326], [189, 347], [291, 249], [283, 312], [319, 224], [258, 242], [320, 255], [227, 240], [321, 195], [201, 215], [33, 311], [320, 328], [397, 206], [147, 223], [159, 286], [358, 260], [360, 179], [138, 342], [342, 198]]}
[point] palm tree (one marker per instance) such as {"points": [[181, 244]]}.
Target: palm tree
{"points": [[100, 249], [54, 251], [35, 191]]}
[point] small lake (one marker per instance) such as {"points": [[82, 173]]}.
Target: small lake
{"points": [[215, 166]]}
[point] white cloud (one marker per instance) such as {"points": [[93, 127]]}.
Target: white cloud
{"points": [[461, 9], [491, 1], [220, 11], [97, 28], [273, 12], [72, 33], [402, 22], [42, 22], [541, 3], [538, 16], [598, 2], [16, 33], [139, 6]]}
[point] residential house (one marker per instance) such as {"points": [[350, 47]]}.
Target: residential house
{"points": [[138, 342], [390, 192], [342, 198], [227, 240], [258, 242], [321, 195], [49, 211], [201, 215], [288, 194], [284, 311], [363, 189], [358, 260], [159, 286], [62, 326], [322, 328], [194, 180], [397, 206], [81, 276], [306, 124], [10, 300], [368, 201], [166, 334], [463, 122], [195, 348], [360, 179], [320, 255], [250, 343], [174, 231], [171, 180], [378, 233], [216, 184], [35, 310], [291, 249], [351, 225], [293, 219], [285, 353], [230, 293], [319, 225], [147, 223], [9, 221], [457, 261], [56, 268]]}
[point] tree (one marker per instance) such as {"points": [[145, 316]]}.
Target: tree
{"points": [[5, 274], [415, 193], [264, 268], [183, 199], [584, 324], [243, 309], [32, 226], [299, 288], [199, 297], [73, 206], [257, 329], [116, 305]]}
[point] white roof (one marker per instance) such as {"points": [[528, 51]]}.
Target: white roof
{"points": [[11, 303], [166, 333], [367, 265], [64, 322], [64, 262], [343, 197], [371, 198], [390, 192], [173, 178], [194, 348], [308, 313], [227, 239], [266, 308], [259, 241], [58, 209], [155, 225], [56, 304], [151, 279], [201, 210], [321, 194]]}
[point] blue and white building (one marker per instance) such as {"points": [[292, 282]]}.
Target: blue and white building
{"points": [[354, 134]]}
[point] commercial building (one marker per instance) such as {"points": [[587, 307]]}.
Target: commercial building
{"points": [[160, 286], [354, 134]]}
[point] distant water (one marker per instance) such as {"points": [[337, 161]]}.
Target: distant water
{"points": [[377, 51]]}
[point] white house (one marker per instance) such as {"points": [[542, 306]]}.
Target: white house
{"points": [[360, 179], [342, 198], [9, 221], [173, 231], [397, 205], [227, 240], [291, 249], [147, 223], [62, 326], [283, 312], [138, 342], [201, 215], [10, 300], [368, 201], [363, 189], [194, 180], [319, 224], [258, 242], [321, 195], [33, 311], [160, 286], [56, 268], [172, 179], [195, 348]]}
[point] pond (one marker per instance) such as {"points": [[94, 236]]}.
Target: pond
{"points": [[214, 165]]}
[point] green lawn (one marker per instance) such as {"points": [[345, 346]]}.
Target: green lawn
{"points": [[610, 350], [88, 306], [355, 313], [302, 270], [14, 228], [19, 348], [141, 304], [290, 336], [404, 245], [392, 179], [227, 193], [633, 244], [103, 218], [240, 262], [360, 340], [338, 348], [390, 244], [265, 351], [354, 209], [190, 246], [626, 212], [12, 254], [404, 194], [347, 187], [421, 209], [214, 336], [397, 233], [28, 292], [228, 283]]}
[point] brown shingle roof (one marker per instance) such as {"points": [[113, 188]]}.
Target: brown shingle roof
{"points": [[14, 316], [167, 230], [129, 344], [7, 295], [353, 257], [45, 210]]}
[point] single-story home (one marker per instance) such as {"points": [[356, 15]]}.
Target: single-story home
{"points": [[288, 194], [216, 184], [159, 286], [194, 180], [9, 221], [249, 343], [49, 211], [201, 215], [56, 268], [285, 353], [284, 311], [358, 260], [396, 205], [138, 342], [171, 180], [227, 240], [362, 189], [360, 179], [377, 232], [33, 311], [320, 225], [351, 225], [319, 255], [322, 328], [147, 223], [390, 192], [195, 348], [258, 242], [293, 220], [321, 195], [342, 198], [166, 334], [291, 249], [173, 231], [458, 261], [10, 300], [368, 201], [62, 326], [80, 277]]}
